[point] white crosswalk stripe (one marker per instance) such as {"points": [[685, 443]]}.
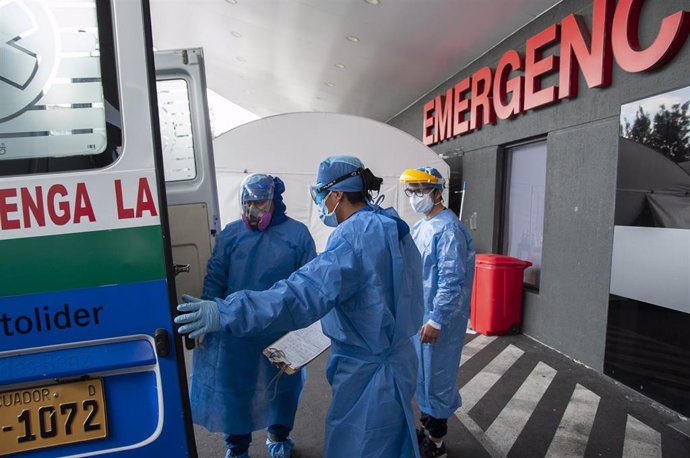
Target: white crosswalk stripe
{"points": [[506, 428], [572, 435], [641, 441], [477, 432], [474, 346], [481, 383]]}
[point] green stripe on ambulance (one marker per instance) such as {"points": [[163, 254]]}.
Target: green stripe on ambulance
{"points": [[81, 260]]}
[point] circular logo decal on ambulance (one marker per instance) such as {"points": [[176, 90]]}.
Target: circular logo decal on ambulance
{"points": [[29, 45]]}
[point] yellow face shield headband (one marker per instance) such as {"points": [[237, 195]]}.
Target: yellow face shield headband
{"points": [[414, 176]]}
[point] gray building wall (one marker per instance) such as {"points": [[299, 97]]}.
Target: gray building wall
{"points": [[569, 312]]}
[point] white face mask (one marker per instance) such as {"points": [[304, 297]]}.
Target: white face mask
{"points": [[422, 204]]}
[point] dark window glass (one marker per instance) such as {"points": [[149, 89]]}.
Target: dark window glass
{"points": [[523, 228]]}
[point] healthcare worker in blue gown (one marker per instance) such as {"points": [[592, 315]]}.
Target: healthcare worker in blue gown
{"points": [[447, 253], [230, 390], [367, 289]]}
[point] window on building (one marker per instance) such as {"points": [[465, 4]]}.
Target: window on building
{"points": [[523, 227]]}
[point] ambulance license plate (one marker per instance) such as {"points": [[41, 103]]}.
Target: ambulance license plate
{"points": [[51, 415]]}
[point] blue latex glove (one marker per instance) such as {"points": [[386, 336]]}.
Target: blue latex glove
{"points": [[199, 317]]}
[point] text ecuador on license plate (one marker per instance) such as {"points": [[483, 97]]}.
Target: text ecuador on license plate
{"points": [[46, 416]]}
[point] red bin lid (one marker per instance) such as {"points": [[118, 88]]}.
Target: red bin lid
{"points": [[500, 260]]}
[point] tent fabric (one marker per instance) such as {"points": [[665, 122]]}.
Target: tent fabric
{"points": [[649, 181], [672, 211], [292, 145]]}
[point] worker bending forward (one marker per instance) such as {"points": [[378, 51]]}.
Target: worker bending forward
{"points": [[367, 289]]}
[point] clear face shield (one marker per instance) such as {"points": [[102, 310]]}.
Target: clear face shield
{"points": [[419, 186], [256, 199]]}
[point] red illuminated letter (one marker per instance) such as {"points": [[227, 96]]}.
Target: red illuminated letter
{"points": [[482, 109], [63, 217], [626, 44], [6, 208], [460, 106], [510, 61], [596, 62], [444, 117], [145, 199], [535, 67], [82, 205], [428, 126]]}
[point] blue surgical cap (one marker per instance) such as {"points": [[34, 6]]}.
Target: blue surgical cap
{"points": [[336, 166], [433, 171]]}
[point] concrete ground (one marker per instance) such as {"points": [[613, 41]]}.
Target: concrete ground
{"points": [[520, 399]]}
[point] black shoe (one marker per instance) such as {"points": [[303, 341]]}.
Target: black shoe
{"points": [[429, 450], [421, 435]]}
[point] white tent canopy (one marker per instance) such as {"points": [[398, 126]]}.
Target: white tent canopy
{"points": [[292, 145]]}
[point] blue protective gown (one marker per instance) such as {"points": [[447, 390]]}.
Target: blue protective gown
{"points": [[448, 270], [367, 289], [230, 376]]}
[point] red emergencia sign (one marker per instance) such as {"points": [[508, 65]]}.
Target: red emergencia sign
{"points": [[491, 93]]}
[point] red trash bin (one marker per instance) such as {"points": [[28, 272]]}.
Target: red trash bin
{"points": [[496, 306]]}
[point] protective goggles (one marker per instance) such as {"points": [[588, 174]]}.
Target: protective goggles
{"points": [[319, 192], [418, 191]]}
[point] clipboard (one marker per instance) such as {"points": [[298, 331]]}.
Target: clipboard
{"points": [[296, 349]]}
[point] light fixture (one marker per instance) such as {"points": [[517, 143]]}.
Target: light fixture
{"points": [[232, 2], [372, 2], [329, 84], [241, 59], [353, 39], [236, 34], [339, 65]]}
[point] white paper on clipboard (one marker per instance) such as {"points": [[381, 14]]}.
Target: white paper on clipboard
{"points": [[297, 348]]}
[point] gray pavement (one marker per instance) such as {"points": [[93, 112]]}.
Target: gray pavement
{"points": [[520, 399]]}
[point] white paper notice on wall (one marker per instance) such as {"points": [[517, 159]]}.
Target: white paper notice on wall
{"points": [[297, 348]]}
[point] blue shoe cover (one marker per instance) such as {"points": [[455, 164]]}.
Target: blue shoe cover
{"points": [[280, 449], [244, 455]]}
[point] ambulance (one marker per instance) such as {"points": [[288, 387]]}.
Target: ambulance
{"points": [[92, 124]]}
